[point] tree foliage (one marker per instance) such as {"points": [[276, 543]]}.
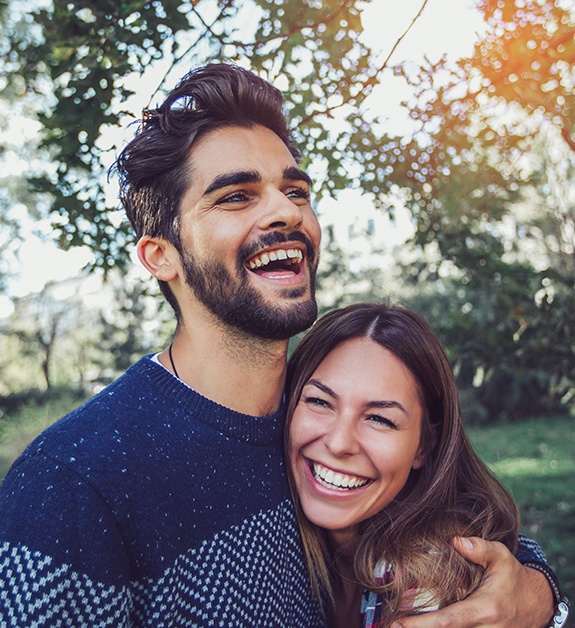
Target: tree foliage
{"points": [[86, 54], [487, 172], [490, 174], [528, 55]]}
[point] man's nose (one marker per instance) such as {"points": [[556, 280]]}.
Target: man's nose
{"points": [[279, 212]]}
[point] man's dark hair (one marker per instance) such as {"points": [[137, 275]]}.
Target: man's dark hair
{"points": [[153, 168]]}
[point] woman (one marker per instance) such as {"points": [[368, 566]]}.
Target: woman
{"points": [[382, 472]]}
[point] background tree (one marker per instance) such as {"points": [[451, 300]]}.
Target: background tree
{"points": [[39, 322], [20, 155], [139, 323], [489, 176], [486, 172], [80, 335], [86, 55]]}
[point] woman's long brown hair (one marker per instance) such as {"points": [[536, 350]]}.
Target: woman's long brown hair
{"points": [[452, 494]]}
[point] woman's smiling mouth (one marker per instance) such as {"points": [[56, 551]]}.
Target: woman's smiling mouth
{"points": [[336, 480]]}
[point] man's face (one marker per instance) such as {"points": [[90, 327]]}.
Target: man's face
{"points": [[249, 235]]}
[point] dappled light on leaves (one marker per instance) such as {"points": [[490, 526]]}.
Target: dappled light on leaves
{"points": [[485, 167]]}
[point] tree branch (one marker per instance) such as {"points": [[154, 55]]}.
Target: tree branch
{"points": [[208, 28], [367, 86], [567, 137], [295, 28]]}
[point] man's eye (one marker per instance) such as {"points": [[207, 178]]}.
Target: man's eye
{"points": [[234, 197], [298, 193]]}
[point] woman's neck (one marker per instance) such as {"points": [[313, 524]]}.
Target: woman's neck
{"points": [[346, 591]]}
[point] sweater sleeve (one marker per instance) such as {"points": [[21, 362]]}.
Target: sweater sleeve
{"points": [[529, 551], [530, 554], [62, 558]]}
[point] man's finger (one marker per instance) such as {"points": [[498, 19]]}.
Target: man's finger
{"points": [[460, 615], [480, 551]]}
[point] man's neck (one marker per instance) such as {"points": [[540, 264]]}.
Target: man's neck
{"points": [[238, 371]]}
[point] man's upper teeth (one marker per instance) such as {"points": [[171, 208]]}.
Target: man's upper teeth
{"points": [[335, 479], [293, 256]]}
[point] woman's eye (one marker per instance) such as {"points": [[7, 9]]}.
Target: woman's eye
{"points": [[380, 420], [317, 402]]}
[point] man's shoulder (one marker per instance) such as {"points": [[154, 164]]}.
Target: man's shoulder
{"points": [[102, 418]]}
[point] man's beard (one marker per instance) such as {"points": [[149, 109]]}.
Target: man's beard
{"points": [[238, 304]]}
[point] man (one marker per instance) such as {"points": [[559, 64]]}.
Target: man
{"points": [[163, 500]]}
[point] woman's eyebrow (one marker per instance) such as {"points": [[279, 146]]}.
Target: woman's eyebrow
{"points": [[326, 389], [384, 404], [233, 178]]}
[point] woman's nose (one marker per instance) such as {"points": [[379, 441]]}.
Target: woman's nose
{"points": [[341, 439]]}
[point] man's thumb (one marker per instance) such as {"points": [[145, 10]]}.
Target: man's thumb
{"points": [[473, 548]]}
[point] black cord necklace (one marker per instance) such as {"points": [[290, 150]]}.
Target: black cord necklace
{"points": [[172, 362]]}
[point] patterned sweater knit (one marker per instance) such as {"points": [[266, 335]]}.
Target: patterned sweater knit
{"points": [[151, 505]]}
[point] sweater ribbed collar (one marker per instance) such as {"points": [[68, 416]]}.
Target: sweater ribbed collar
{"points": [[255, 430]]}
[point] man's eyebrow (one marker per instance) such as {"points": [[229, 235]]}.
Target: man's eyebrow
{"points": [[295, 174], [239, 177], [233, 178]]}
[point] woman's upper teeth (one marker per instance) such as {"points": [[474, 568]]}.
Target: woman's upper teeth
{"points": [[340, 480]]}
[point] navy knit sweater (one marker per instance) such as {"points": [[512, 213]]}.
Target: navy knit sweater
{"points": [[151, 505]]}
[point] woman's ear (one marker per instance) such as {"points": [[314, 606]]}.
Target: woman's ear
{"points": [[159, 257], [426, 446], [419, 459]]}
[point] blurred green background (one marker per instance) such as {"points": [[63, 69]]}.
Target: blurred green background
{"points": [[536, 461]]}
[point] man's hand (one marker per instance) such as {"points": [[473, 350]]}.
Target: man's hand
{"points": [[510, 595]]}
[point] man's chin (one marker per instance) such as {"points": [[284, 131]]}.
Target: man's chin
{"points": [[279, 322], [256, 308], [286, 295]]}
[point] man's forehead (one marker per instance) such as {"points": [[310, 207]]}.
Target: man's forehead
{"points": [[241, 153], [256, 136]]}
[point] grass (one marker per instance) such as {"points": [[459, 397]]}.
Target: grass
{"points": [[19, 428], [535, 459]]}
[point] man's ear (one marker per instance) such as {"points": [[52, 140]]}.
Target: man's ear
{"points": [[159, 257]]}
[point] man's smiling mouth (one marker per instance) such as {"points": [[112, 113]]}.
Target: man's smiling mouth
{"points": [[335, 480], [276, 260]]}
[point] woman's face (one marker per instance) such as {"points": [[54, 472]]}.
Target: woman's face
{"points": [[355, 435]]}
